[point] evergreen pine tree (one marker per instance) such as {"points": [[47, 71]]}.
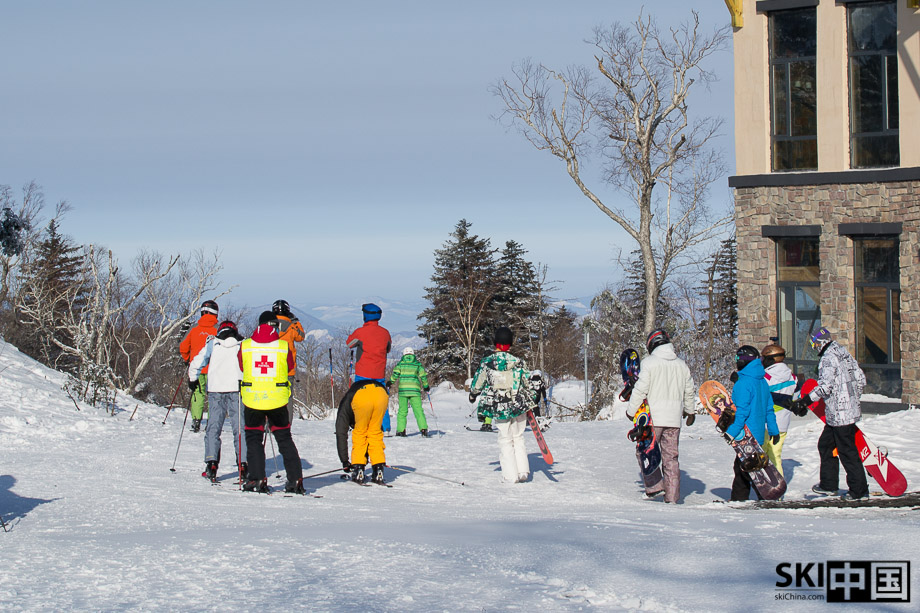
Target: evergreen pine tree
{"points": [[517, 301]]}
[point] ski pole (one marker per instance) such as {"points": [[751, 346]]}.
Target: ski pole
{"points": [[188, 410], [331, 379], [3, 523], [239, 439], [172, 402], [351, 365], [415, 472], [327, 472], [433, 414], [271, 439]]}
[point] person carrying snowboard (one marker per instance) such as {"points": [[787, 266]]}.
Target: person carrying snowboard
{"points": [[265, 392], [754, 409], [220, 356], [411, 379], [190, 346], [539, 388], [373, 344], [840, 384], [782, 384], [290, 330], [504, 383], [666, 384]]}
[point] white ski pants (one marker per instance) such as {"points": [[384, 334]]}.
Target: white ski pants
{"points": [[512, 454]]}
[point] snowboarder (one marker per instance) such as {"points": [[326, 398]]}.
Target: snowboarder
{"points": [[219, 354], [190, 346], [290, 330], [666, 384], [373, 344], [411, 379], [840, 384], [539, 388], [504, 383], [359, 410], [265, 392], [754, 409], [782, 385]]}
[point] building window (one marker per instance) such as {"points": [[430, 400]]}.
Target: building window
{"points": [[872, 33], [793, 42], [799, 301], [878, 314]]}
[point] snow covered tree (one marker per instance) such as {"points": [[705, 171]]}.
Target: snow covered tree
{"points": [[563, 355], [464, 284], [519, 301], [635, 115]]}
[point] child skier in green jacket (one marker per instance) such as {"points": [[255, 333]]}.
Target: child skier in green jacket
{"points": [[410, 378]]}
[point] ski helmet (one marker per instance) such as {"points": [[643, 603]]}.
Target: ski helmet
{"points": [[629, 364], [267, 317], [280, 307], [820, 339], [503, 336], [408, 351], [657, 338], [209, 306], [745, 355], [371, 311], [771, 354], [226, 328]]}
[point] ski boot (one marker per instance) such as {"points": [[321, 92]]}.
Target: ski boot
{"points": [[357, 473], [424, 432], [257, 486], [244, 471], [486, 428], [377, 476], [817, 489], [210, 471], [401, 433], [196, 425], [295, 487]]}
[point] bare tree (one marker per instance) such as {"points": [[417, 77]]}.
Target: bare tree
{"points": [[634, 116]]}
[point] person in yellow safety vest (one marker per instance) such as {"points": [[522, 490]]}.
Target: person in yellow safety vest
{"points": [[265, 391]]}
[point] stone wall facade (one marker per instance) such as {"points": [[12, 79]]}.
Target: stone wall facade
{"points": [[828, 206]]}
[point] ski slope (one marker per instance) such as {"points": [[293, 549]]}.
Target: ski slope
{"points": [[99, 522]]}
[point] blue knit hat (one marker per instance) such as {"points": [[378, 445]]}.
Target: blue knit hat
{"points": [[371, 311]]}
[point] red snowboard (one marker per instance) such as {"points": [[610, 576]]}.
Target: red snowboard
{"points": [[538, 434], [888, 476]]}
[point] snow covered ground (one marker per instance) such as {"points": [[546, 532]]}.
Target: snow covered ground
{"points": [[98, 522]]}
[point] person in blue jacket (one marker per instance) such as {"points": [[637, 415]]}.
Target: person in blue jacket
{"points": [[753, 408]]}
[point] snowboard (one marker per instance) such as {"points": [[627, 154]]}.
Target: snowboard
{"points": [[648, 452], [910, 499], [875, 461], [765, 477], [541, 442]]}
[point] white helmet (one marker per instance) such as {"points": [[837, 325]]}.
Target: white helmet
{"points": [[408, 351]]}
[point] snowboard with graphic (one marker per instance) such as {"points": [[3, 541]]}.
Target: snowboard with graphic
{"points": [[541, 442], [891, 480], [765, 477], [648, 452]]}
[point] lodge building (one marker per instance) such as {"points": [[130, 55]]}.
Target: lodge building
{"points": [[827, 190]]}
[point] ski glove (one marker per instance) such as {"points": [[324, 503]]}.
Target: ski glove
{"points": [[690, 419], [426, 389], [193, 385], [775, 439], [800, 407], [733, 377], [473, 397]]}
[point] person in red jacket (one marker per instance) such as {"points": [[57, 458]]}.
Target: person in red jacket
{"points": [[191, 346], [373, 344]]}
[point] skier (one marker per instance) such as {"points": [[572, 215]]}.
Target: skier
{"points": [[360, 409], [373, 344], [666, 384], [840, 384], [190, 346], [290, 330], [265, 392], [782, 384], [753, 408], [411, 379], [219, 354], [504, 383]]}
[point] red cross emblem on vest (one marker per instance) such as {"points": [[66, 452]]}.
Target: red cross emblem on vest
{"points": [[264, 364]]}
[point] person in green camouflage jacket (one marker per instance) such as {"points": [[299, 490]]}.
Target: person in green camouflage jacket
{"points": [[504, 382], [410, 378]]}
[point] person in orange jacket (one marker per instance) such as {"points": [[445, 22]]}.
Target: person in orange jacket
{"points": [[290, 330], [190, 346]]}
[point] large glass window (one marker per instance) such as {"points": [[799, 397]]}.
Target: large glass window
{"points": [[872, 33], [793, 43], [878, 314], [799, 301]]}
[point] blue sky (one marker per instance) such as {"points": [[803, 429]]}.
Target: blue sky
{"points": [[325, 148]]}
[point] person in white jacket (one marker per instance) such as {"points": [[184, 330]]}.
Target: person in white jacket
{"points": [[666, 384], [782, 385], [224, 376]]}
